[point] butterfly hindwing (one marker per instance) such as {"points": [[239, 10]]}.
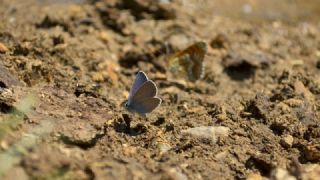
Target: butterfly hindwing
{"points": [[147, 90], [147, 105]]}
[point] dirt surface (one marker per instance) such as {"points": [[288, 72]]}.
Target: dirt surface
{"points": [[254, 115]]}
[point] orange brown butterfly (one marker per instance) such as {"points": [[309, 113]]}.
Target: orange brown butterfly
{"points": [[189, 62]]}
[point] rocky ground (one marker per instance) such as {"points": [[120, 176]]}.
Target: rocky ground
{"points": [[67, 66]]}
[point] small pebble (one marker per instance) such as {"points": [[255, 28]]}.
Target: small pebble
{"points": [[176, 174], [222, 117], [300, 88], [3, 48], [254, 176], [4, 145], [287, 141], [163, 148], [104, 36], [281, 174], [97, 77]]}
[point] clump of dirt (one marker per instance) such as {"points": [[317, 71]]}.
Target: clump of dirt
{"points": [[255, 113]]}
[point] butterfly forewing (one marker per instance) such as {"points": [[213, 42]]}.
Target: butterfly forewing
{"points": [[147, 105], [197, 53], [141, 78], [196, 70], [147, 90]]}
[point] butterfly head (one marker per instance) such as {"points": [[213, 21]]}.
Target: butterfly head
{"points": [[125, 104]]}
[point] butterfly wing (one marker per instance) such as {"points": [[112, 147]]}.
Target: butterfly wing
{"points": [[189, 62], [147, 90], [178, 63], [197, 53], [141, 78], [145, 100], [147, 105]]}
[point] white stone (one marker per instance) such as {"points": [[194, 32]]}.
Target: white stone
{"points": [[208, 132]]}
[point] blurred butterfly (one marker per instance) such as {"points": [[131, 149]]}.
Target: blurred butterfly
{"points": [[143, 95], [189, 62]]}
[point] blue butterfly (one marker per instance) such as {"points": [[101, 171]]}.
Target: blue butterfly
{"points": [[143, 95]]}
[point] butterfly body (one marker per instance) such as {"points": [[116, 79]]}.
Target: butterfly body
{"points": [[189, 62], [143, 95]]}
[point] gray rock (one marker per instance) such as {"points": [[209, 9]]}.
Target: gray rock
{"points": [[208, 132]]}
